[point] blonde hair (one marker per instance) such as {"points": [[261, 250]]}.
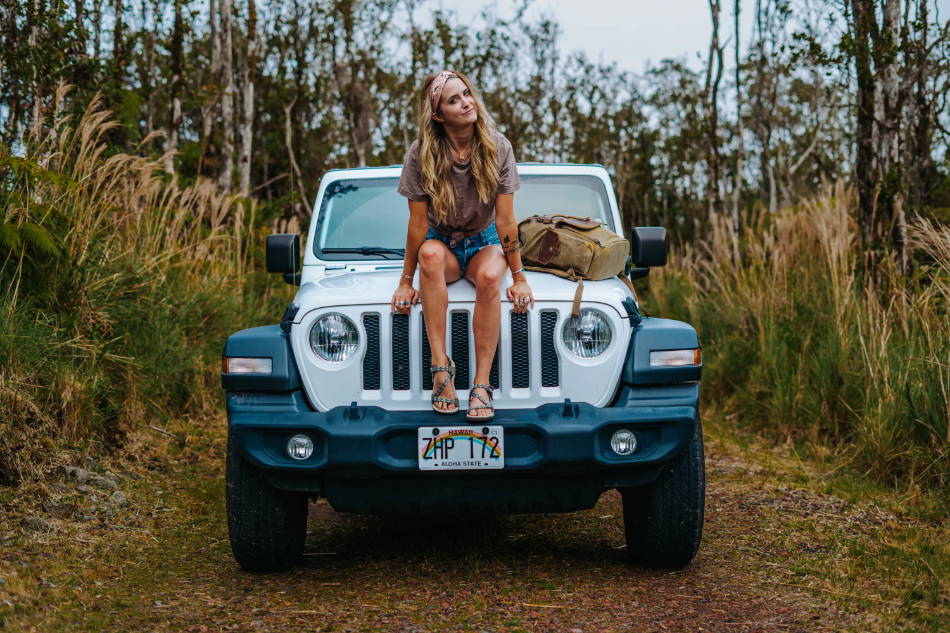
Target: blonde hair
{"points": [[435, 154]]}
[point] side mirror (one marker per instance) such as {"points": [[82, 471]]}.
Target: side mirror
{"points": [[649, 246], [283, 256]]}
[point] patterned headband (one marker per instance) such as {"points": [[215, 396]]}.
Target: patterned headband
{"points": [[437, 85]]}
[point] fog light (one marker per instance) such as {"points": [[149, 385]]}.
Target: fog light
{"points": [[623, 442], [300, 447]]}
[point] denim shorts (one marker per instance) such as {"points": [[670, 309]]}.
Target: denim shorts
{"points": [[465, 248]]}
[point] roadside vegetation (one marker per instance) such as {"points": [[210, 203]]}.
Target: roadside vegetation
{"points": [[800, 346], [118, 290]]}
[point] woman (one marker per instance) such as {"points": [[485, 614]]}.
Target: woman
{"points": [[460, 177]]}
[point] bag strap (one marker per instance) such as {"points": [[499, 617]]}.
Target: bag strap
{"points": [[576, 306], [628, 283]]}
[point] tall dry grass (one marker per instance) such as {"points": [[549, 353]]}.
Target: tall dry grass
{"points": [[118, 288], [804, 348]]}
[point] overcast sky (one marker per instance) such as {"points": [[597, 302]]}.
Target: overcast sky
{"points": [[631, 32]]}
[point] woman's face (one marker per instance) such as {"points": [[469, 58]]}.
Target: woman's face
{"points": [[457, 105]]}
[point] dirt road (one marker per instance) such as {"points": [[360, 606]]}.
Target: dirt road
{"points": [[162, 563]]}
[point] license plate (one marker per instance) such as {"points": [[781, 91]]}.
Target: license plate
{"points": [[461, 447]]}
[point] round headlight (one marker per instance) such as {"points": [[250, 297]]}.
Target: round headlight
{"points": [[334, 338], [588, 335]]}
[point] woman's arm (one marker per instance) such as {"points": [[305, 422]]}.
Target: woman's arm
{"points": [[415, 236], [508, 234]]}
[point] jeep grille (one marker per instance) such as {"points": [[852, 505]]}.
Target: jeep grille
{"points": [[461, 349]]}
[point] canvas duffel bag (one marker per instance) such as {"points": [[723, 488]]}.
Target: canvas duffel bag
{"points": [[572, 247]]}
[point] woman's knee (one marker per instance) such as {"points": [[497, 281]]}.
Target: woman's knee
{"points": [[489, 278], [432, 255]]}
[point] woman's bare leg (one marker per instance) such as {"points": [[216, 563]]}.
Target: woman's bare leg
{"points": [[437, 268], [486, 270]]}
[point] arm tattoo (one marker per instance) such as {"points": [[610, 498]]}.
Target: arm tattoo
{"points": [[510, 248]]}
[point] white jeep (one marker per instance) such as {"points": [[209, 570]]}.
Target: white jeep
{"points": [[335, 400]]}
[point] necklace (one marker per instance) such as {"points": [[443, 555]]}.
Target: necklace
{"points": [[461, 156]]}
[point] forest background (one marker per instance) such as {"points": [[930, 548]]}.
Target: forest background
{"points": [[146, 149]]}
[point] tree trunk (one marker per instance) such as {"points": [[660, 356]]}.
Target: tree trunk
{"points": [[118, 45], [174, 119], [208, 109], [37, 84], [226, 173], [248, 77], [740, 131], [80, 9], [148, 72], [295, 175], [13, 97], [919, 159], [866, 167], [893, 105], [711, 102], [97, 41]]}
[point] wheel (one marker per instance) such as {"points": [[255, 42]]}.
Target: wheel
{"points": [[267, 526], [663, 520]]}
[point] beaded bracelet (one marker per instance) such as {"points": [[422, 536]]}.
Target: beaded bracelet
{"points": [[409, 277], [515, 272]]}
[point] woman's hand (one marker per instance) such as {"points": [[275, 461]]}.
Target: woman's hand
{"points": [[519, 293], [404, 297]]}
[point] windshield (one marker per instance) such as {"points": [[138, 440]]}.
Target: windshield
{"points": [[368, 212]]}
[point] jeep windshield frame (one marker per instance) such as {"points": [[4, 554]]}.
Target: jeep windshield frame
{"points": [[357, 212]]}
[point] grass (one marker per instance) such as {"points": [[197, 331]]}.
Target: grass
{"points": [[117, 289], [781, 551], [805, 349]]}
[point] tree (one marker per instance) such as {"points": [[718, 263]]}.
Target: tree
{"points": [[714, 69]]}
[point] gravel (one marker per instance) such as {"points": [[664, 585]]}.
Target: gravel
{"points": [[103, 482], [35, 524], [74, 474]]}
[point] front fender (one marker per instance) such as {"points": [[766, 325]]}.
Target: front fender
{"points": [[268, 341], [653, 334]]}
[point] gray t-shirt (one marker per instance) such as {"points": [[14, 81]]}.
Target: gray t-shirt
{"points": [[469, 215]]}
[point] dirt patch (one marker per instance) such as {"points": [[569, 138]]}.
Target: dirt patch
{"points": [[162, 563]]}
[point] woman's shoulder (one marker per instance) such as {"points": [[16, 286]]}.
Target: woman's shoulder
{"points": [[501, 141], [413, 151], [411, 159]]}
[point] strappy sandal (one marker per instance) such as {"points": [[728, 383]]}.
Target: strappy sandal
{"points": [[436, 393], [486, 404]]}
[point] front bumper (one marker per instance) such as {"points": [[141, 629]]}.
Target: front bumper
{"points": [[365, 457]]}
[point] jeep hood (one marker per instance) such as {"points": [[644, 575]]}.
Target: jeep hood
{"points": [[377, 287]]}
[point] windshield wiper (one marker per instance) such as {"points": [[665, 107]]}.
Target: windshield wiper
{"points": [[369, 250]]}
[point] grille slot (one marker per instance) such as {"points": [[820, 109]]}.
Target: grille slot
{"points": [[371, 360], [460, 351], [520, 362], [550, 372], [426, 357], [493, 376], [400, 352]]}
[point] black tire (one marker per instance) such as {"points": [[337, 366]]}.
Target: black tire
{"points": [[267, 526], [664, 520]]}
